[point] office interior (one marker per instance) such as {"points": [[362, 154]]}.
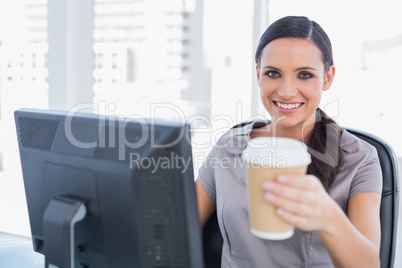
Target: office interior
{"points": [[189, 60]]}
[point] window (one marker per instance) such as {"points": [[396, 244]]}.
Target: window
{"points": [[190, 59], [23, 73]]}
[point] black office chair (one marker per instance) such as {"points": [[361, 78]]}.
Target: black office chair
{"points": [[213, 241]]}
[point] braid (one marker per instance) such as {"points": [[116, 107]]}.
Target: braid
{"points": [[324, 146]]}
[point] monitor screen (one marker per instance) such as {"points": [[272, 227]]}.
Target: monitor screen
{"points": [[107, 191]]}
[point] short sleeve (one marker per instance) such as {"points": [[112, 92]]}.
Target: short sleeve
{"points": [[222, 161], [368, 177], [206, 175]]}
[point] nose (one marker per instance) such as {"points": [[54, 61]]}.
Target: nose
{"points": [[287, 89]]}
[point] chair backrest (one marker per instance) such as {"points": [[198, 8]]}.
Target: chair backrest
{"points": [[213, 241], [390, 196]]}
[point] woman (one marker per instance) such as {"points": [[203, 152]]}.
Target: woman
{"points": [[335, 207]]}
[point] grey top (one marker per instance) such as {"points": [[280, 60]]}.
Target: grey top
{"points": [[223, 177]]}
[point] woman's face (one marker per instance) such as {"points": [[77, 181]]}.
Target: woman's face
{"points": [[291, 77]]}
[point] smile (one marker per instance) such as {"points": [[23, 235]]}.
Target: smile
{"points": [[288, 106]]}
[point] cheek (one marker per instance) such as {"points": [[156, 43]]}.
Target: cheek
{"points": [[267, 88], [311, 90], [265, 94]]}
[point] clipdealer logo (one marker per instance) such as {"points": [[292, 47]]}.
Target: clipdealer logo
{"points": [[199, 124], [117, 131], [156, 163]]}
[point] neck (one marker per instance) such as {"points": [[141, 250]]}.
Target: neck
{"points": [[299, 132]]}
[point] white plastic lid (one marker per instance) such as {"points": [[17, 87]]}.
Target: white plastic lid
{"points": [[276, 152]]}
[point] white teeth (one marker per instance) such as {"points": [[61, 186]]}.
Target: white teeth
{"points": [[288, 106]]}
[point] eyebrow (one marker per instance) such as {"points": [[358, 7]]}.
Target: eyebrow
{"points": [[298, 69]]}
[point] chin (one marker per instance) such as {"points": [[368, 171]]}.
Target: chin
{"points": [[290, 123]]}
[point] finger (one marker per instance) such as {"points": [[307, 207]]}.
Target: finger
{"points": [[299, 181], [293, 206], [293, 219], [290, 192]]}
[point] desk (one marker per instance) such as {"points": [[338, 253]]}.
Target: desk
{"points": [[17, 252]]}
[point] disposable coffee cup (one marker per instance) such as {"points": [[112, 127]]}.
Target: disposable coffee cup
{"points": [[265, 158]]}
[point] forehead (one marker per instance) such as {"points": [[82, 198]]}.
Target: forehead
{"points": [[294, 51]]}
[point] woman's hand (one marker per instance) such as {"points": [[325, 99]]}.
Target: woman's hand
{"points": [[301, 200]]}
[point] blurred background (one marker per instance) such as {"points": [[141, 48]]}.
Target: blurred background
{"points": [[186, 60]]}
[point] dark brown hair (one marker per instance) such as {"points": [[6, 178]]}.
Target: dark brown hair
{"points": [[297, 27], [324, 147], [324, 141]]}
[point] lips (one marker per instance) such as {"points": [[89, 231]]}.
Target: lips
{"points": [[288, 106]]}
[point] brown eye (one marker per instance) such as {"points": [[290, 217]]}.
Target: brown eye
{"points": [[272, 74], [305, 75]]}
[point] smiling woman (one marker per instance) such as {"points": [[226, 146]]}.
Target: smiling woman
{"points": [[335, 206], [291, 85], [292, 74]]}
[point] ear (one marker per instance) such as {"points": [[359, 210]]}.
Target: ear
{"points": [[329, 78], [257, 68]]}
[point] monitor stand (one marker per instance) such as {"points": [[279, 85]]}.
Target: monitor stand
{"points": [[59, 219]]}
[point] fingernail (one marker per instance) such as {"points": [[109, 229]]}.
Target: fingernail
{"points": [[269, 185], [270, 197], [280, 211], [282, 178]]}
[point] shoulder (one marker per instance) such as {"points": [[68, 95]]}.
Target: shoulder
{"points": [[353, 145], [361, 164], [358, 153], [359, 172], [234, 140]]}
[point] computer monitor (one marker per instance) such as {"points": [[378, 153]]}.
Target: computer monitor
{"points": [[108, 191]]}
